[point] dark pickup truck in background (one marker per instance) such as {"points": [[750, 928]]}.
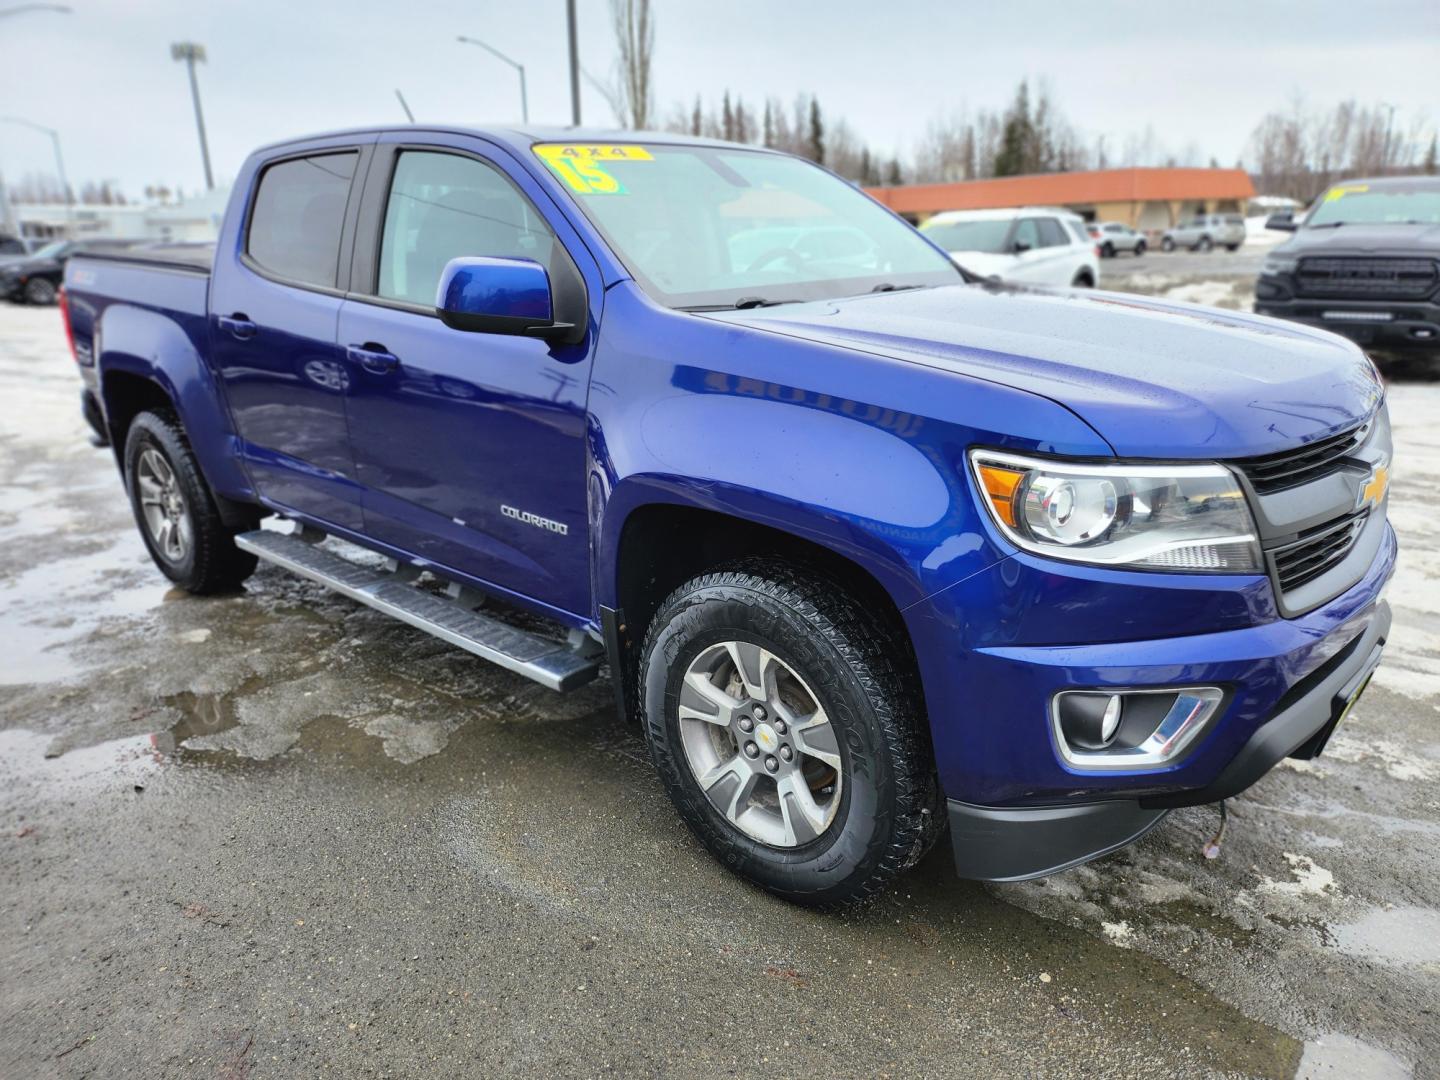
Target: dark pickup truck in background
{"points": [[1365, 263]]}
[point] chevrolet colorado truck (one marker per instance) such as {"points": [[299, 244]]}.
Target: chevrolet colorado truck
{"points": [[1364, 262], [869, 547]]}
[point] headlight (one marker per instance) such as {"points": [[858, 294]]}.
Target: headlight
{"points": [[1278, 264], [1188, 518]]}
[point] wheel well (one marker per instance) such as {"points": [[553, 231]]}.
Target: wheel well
{"points": [[126, 396], [664, 546], [1084, 278]]}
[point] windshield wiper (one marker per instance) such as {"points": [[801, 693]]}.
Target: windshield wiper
{"points": [[1328, 225], [759, 301], [886, 286]]}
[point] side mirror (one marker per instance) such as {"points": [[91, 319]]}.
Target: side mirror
{"points": [[1283, 221], [1021, 246], [497, 296]]}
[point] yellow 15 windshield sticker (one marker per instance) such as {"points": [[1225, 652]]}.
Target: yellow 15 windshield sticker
{"points": [[1348, 189], [582, 165]]}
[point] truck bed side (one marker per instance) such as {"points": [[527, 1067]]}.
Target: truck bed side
{"points": [[139, 321]]}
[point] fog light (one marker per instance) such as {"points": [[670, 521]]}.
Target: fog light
{"points": [[1130, 729]]}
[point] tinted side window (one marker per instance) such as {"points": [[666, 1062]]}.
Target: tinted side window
{"points": [[298, 215], [1051, 234], [1079, 228], [442, 207], [1027, 234]]}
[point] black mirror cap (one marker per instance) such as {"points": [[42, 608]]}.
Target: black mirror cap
{"points": [[1281, 223]]}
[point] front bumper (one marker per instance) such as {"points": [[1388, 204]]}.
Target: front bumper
{"points": [[1016, 843], [1387, 324]]}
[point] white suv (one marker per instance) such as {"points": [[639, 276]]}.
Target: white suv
{"points": [[1035, 244]]}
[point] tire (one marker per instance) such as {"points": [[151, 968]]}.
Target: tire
{"points": [[1167, 244], [1205, 244], [1140, 249], [40, 291], [1083, 280], [1107, 251], [874, 817], [198, 552], [1232, 247]]}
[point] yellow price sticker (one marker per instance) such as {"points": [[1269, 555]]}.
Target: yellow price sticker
{"points": [[581, 166], [1347, 189]]}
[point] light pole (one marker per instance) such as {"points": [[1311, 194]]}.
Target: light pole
{"points": [[191, 54], [574, 64], [21, 9], [524, 101], [59, 165]]}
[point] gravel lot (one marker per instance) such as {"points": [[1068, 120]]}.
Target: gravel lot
{"points": [[277, 835]]}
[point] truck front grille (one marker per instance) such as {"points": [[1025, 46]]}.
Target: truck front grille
{"points": [[1366, 278], [1316, 552], [1291, 468]]}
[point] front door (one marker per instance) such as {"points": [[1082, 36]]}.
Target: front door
{"points": [[273, 308], [470, 446]]}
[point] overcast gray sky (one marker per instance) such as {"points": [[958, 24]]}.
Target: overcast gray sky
{"points": [[1200, 73]]}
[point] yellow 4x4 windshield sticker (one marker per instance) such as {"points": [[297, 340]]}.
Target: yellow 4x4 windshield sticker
{"points": [[582, 165]]}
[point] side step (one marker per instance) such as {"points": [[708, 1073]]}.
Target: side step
{"points": [[549, 663]]}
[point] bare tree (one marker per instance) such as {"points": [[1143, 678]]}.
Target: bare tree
{"points": [[635, 43]]}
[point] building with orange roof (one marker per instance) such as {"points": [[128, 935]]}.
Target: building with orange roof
{"points": [[1147, 199]]}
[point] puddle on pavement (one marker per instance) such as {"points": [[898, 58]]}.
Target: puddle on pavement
{"points": [[132, 759], [1401, 936]]}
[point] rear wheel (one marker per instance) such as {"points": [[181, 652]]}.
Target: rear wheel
{"points": [[1205, 244], [1139, 248], [39, 291], [1107, 250], [1083, 280], [788, 734], [175, 510], [1167, 244]]}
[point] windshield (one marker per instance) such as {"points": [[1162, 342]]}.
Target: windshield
{"points": [[52, 250], [711, 227], [1360, 204], [987, 236]]}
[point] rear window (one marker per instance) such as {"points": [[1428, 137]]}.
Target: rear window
{"points": [[1079, 229], [298, 215], [1051, 234]]}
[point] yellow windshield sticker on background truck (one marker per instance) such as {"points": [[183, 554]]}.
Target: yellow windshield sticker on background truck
{"points": [[581, 165], [1345, 189]]}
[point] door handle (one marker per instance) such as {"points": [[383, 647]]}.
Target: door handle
{"points": [[237, 326], [376, 361]]}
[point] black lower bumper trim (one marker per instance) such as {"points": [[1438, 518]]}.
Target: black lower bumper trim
{"points": [[1012, 844]]}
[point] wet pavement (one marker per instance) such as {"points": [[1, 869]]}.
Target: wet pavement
{"points": [[275, 834]]}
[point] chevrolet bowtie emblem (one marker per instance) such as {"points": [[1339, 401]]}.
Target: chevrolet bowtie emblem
{"points": [[1374, 489]]}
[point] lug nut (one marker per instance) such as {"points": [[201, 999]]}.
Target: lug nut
{"points": [[779, 727], [759, 712], [786, 753], [771, 764], [746, 724], [751, 750]]}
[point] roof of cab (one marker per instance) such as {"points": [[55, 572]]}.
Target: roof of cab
{"points": [[521, 138]]}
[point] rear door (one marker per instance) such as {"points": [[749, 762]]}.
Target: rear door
{"points": [[274, 300], [470, 446]]}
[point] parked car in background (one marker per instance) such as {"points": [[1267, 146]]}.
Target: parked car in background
{"points": [[1034, 245], [1363, 263], [1112, 237], [868, 552], [35, 278], [15, 248], [1205, 231]]}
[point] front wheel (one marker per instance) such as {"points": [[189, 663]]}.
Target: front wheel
{"points": [[175, 510], [1232, 247], [1167, 244], [1140, 249], [1107, 251], [1205, 244], [788, 733]]}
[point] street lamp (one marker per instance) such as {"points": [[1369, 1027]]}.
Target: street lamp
{"points": [[191, 53], [21, 9], [524, 102], [59, 164]]}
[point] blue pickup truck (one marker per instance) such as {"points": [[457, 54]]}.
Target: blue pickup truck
{"points": [[869, 546]]}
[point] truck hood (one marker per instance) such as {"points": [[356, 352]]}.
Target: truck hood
{"points": [[1413, 240], [1154, 378]]}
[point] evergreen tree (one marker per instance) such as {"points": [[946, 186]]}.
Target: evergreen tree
{"points": [[816, 140]]}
